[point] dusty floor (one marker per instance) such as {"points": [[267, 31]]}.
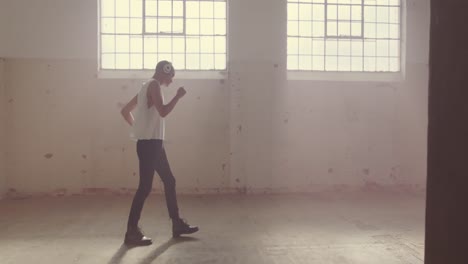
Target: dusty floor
{"points": [[361, 229]]}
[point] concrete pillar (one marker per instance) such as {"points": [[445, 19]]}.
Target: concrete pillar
{"points": [[447, 195]]}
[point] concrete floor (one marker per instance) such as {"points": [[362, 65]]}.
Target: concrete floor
{"points": [[352, 228]]}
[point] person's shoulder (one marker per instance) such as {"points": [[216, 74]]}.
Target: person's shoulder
{"points": [[153, 84], [152, 80]]}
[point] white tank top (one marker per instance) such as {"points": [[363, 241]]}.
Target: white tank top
{"points": [[148, 124]]}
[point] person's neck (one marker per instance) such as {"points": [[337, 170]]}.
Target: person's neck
{"points": [[157, 79]]}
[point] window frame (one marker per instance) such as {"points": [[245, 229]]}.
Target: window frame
{"points": [[338, 21], [350, 75], [181, 73]]}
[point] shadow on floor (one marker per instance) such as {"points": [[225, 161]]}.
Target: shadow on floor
{"points": [[119, 255], [159, 250]]}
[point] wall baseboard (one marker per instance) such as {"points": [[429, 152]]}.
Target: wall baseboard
{"points": [[319, 189]]}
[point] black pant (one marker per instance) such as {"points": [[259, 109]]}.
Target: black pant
{"points": [[152, 157]]}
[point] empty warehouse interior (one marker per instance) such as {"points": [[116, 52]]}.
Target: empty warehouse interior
{"points": [[302, 136]]}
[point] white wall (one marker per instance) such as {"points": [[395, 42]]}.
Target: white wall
{"points": [[48, 29], [255, 131], [67, 132], [364, 134]]}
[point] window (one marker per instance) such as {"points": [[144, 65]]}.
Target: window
{"points": [[136, 34], [344, 35]]}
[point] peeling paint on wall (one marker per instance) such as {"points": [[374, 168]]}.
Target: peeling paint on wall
{"points": [[327, 122]]}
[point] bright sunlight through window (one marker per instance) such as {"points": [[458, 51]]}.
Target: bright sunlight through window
{"points": [[344, 35], [136, 34]]}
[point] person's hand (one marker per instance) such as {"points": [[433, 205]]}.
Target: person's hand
{"points": [[181, 92]]}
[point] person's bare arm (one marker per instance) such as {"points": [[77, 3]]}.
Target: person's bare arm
{"points": [[127, 110], [156, 99]]}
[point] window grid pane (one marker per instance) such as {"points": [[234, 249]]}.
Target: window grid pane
{"points": [[136, 34], [346, 35]]}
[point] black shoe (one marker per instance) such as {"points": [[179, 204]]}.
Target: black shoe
{"points": [[180, 227], [134, 237]]}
